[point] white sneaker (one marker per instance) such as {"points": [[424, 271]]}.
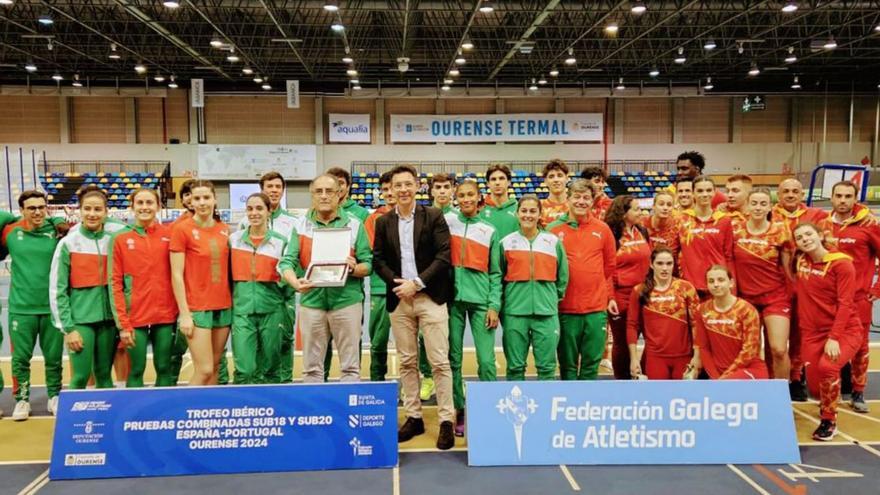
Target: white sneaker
{"points": [[22, 410], [53, 406]]}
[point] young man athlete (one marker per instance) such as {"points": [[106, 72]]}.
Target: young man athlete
{"points": [[690, 164], [500, 209], [599, 178], [380, 324], [442, 187], [555, 205]]}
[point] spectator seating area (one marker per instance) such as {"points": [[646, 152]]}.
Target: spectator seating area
{"points": [[61, 187]]}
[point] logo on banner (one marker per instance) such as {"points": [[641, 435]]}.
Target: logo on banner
{"points": [[98, 459], [90, 405], [354, 420], [517, 408], [366, 420], [89, 433], [341, 128], [365, 400], [359, 449]]}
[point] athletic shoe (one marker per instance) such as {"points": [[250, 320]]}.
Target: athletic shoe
{"points": [[826, 431], [52, 406], [427, 389], [412, 427], [459, 423], [858, 402], [797, 391], [22, 410], [445, 440], [606, 363]]}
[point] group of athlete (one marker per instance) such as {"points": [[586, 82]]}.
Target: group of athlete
{"points": [[720, 287]]}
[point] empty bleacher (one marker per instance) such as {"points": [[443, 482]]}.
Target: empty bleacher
{"points": [[62, 179]]}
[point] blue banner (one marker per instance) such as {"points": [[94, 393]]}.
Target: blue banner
{"points": [[229, 429], [630, 422]]}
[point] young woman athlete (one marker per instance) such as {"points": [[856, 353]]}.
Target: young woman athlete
{"points": [[831, 330], [663, 224], [140, 287], [624, 217], [535, 276], [663, 309], [200, 280], [728, 332], [705, 238]]}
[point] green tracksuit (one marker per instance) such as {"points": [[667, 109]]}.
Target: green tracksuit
{"points": [[530, 311], [476, 261], [29, 314], [503, 217], [259, 313], [80, 302]]}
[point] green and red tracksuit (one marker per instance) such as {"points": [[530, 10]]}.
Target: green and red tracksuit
{"points": [[591, 253], [284, 224], [259, 311], [142, 300], [792, 219], [380, 322], [80, 301], [5, 219], [476, 262], [859, 237], [502, 217], [535, 278], [30, 318]]}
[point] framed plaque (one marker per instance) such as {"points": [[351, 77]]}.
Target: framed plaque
{"points": [[330, 249]]}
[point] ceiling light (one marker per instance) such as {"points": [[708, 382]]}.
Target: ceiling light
{"points": [[171, 4], [50, 46], [789, 7], [216, 42], [30, 67], [533, 86], [654, 72], [140, 68], [159, 78], [331, 5], [247, 70], [445, 87], [467, 44], [76, 82], [796, 84], [710, 45], [351, 72], [542, 80], [791, 57], [454, 72], [337, 27], [232, 57], [5, 2], [448, 81], [680, 58], [114, 55], [554, 72], [57, 76], [612, 28], [638, 8], [347, 60], [266, 86], [172, 84], [620, 86], [740, 48], [486, 7], [356, 87], [45, 20], [355, 81], [570, 60], [877, 27], [460, 59], [831, 44], [258, 79], [754, 70], [709, 84]]}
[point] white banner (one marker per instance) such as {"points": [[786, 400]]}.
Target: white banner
{"points": [[249, 162], [495, 128], [197, 92], [349, 128], [292, 94]]}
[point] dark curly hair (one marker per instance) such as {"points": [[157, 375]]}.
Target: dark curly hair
{"points": [[615, 214]]}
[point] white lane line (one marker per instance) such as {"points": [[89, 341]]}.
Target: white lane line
{"points": [[35, 484], [842, 434], [858, 415], [40, 485], [395, 480], [569, 477], [748, 480], [22, 463]]}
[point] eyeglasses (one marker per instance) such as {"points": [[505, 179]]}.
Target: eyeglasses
{"points": [[35, 208]]}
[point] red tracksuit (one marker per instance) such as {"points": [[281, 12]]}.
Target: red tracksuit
{"points": [[600, 207], [591, 262], [730, 341], [665, 322], [826, 310], [792, 219], [665, 235], [632, 263], [704, 243], [859, 237]]}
